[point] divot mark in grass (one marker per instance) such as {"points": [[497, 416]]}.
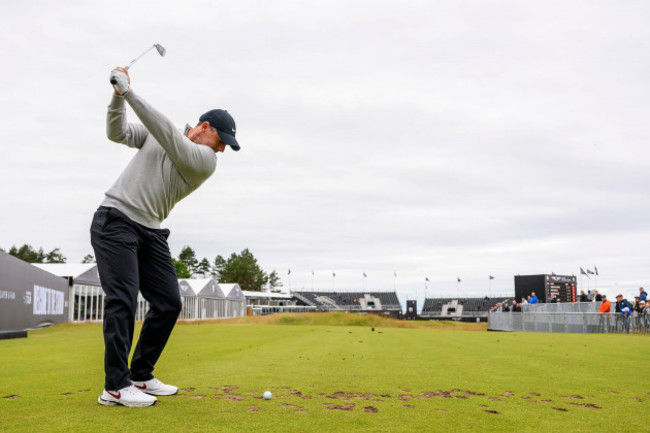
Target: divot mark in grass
{"points": [[298, 409], [370, 409], [442, 410], [534, 394], [351, 395], [561, 409], [547, 401], [637, 399], [84, 390], [575, 397], [253, 409], [494, 399], [197, 396], [587, 405], [409, 406], [229, 388], [11, 397], [404, 397], [235, 398], [345, 407], [66, 393], [491, 411], [507, 394], [188, 389]]}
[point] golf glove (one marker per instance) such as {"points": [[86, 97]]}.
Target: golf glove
{"points": [[120, 82]]}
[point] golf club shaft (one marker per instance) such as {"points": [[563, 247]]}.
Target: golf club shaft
{"points": [[113, 81]]}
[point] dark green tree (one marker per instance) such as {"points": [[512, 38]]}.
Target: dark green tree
{"points": [[89, 258], [243, 269], [188, 257], [28, 254], [181, 269], [218, 267], [204, 268], [55, 256], [274, 280]]}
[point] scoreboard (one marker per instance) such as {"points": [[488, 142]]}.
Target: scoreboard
{"points": [[546, 286]]}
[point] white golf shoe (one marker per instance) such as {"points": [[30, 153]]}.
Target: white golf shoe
{"points": [[155, 387], [129, 396]]}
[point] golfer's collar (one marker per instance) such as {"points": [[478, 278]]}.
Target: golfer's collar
{"points": [[187, 129]]}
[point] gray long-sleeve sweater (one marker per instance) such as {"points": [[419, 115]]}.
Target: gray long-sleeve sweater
{"points": [[166, 168]]}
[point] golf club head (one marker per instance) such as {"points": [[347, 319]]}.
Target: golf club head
{"points": [[161, 50]]}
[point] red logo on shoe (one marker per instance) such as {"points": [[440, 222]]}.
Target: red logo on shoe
{"points": [[117, 396], [143, 386]]}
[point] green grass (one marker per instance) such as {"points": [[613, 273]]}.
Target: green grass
{"points": [[50, 381]]}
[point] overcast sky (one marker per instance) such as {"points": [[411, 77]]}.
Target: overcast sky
{"points": [[437, 139]]}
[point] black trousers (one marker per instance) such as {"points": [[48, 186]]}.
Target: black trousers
{"points": [[132, 257]]}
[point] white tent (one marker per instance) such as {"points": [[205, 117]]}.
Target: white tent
{"points": [[236, 305]]}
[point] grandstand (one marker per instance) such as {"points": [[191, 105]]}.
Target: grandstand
{"points": [[382, 302], [469, 309]]}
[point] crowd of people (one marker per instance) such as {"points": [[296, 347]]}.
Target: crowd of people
{"points": [[622, 305]]}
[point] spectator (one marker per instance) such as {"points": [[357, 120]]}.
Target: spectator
{"points": [[606, 306], [516, 308], [642, 307], [583, 296], [598, 296], [637, 305], [523, 301], [623, 306], [505, 307], [642, 294], [532, 299], [591, 296], [553, 299]]}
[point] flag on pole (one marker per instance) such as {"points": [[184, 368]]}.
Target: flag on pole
{"points": [[333, 274], [491, 277], [364, 275], [289, 272], [394, 273], [458, 278], [589, 271], [596, 269], [582, 272], [426, 279]]}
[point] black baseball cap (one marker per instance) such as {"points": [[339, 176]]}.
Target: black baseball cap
{"points": [[223, 122]]}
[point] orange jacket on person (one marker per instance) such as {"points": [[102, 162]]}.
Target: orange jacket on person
{"points": [[605, 307]]}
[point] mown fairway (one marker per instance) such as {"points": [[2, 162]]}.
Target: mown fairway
{"points": [[339, 377]]}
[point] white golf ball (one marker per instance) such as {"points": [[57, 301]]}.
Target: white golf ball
{"points": [[267, 395]]}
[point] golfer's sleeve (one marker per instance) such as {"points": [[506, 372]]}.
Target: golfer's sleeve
{"points": [[119, 130], [194, 163]]}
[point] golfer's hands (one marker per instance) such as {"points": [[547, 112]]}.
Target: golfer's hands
{"points": [[120, 80]]}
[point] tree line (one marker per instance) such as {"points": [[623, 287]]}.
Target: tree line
{"points": [[242, 268]]}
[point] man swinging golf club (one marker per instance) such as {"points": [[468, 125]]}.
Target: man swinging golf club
{"points": [[130, 247]]}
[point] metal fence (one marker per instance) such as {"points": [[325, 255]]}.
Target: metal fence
{"points": [[570, 322]]}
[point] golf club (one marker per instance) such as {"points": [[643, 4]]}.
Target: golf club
{"points": [[161, 50]]}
